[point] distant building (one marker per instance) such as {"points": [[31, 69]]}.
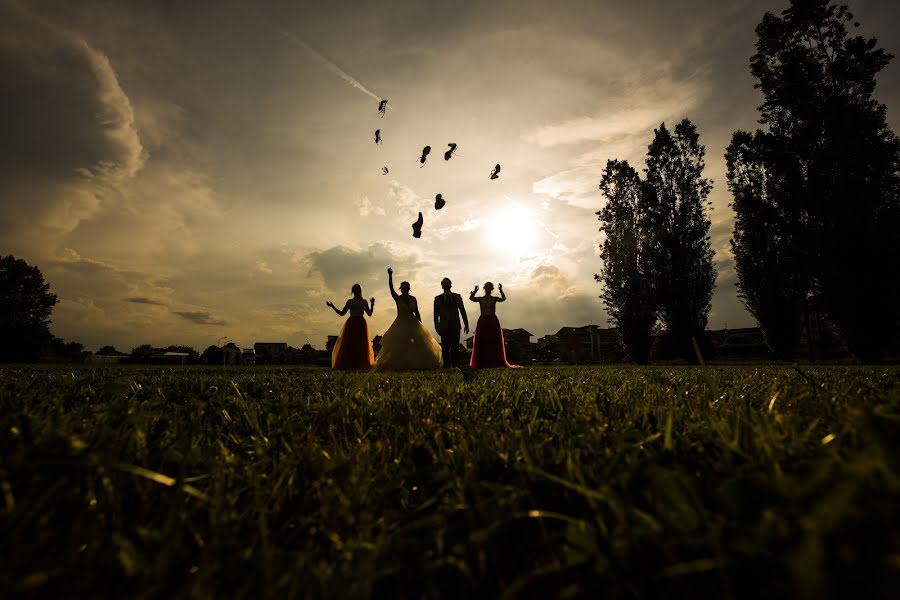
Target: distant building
{"points": [[588, 343], [248, 356], [548, 349], [104, 359], [547, 340], [518, 344], [169, 358], [517, 341], [268, 353]]}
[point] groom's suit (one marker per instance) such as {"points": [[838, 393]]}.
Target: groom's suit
{"points": [[447, 308]]}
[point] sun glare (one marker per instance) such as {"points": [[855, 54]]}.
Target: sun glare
{"points": [[513, 230]]}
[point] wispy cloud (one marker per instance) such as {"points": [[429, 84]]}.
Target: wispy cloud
{"points": [[407, 202], [642, 106], [263, 267], [622, 133], [366, 208], [470, 224]]}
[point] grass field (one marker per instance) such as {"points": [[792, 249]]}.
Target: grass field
{"points": [[614, 482]]}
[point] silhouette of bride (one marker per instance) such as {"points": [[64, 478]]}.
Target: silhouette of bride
{"points": [[407, 344], [489, 348], [353, 350]]}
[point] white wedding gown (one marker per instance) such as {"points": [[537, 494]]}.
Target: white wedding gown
{"points": [[407, 344]]}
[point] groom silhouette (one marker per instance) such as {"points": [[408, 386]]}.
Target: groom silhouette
{"points": [[447, 309]]}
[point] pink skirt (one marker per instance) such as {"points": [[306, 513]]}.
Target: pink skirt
{"points": [[489, 349]]}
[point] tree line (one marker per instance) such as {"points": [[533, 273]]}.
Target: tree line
{"points": [[816, 196]]}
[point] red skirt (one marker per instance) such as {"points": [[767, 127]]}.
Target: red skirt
{"points": [[489, 350], [353, 350]]}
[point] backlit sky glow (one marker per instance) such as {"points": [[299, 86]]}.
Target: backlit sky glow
{"points": [[182, 171]]}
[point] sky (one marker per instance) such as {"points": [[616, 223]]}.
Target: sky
{"points": [[183, 172]]}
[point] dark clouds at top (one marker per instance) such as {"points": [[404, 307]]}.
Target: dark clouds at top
{"points": [[68, 128]]}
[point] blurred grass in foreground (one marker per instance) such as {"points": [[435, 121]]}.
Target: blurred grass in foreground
{"points": [[616, 482]]}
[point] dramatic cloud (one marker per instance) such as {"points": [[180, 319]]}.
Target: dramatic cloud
{"points": [[199, 317], [552, 299], [341, 266], [68, 129]]}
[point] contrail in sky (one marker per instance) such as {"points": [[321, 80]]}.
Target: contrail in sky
{"points": [[326, 62]]}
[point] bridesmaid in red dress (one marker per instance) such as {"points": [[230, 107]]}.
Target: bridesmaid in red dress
{"points": [[353, 350], [489, 349]]}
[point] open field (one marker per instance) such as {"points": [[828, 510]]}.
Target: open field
{"points": [[619, 482]]}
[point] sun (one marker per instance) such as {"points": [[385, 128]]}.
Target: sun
{"points": [[513, 230]]}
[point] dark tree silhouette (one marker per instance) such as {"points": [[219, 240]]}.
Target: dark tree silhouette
{"points": [[217, 355], [628, 290], [109, 351], [768, 259], [818, 82], [25, 307], [60, 348], [680, 255], [212, 355], [144, 352]]}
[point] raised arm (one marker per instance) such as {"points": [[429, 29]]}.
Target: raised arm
{"points": [[369, 308], [391, 283], [472, 294], [341, 312], [502, 294]]}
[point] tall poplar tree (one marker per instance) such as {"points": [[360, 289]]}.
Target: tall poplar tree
{"points": [[833, 142], [628, 289], [768, 259], [680, 255]]}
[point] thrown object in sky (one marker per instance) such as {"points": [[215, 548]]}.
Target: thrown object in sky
{"points": [[450, 152], [377, 136], [496, 172], [382, 106], [424, 156], [439, 202], [384, 171], [417, 226]]}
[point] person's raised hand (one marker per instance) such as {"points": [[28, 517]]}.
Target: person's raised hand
{"points": [[372, 301], [390, 271], [475, 290], [500, 286], [328, 302]]}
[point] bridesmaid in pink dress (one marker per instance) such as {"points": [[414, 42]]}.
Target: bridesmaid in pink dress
{"points": [[489, 348]]}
